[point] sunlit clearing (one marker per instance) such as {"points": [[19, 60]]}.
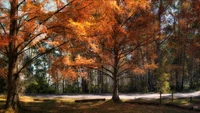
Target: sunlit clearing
{"points": [[26, 99]]}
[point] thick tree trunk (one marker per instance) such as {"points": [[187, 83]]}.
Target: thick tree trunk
{"points": [[13, 94], [13, 87], [115, 96], [12, 75]]}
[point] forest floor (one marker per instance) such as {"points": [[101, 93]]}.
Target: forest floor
{"points": [[67, 105]]}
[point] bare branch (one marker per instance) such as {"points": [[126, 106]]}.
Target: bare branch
{"points": [[21, 3], [107, 70], [130, 76], [3, 28], [57, 11], [28, 42], [131, 67]]}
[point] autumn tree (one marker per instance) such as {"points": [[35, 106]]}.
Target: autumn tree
{"points": [[114, 32], [28, 24], [72, 62], [177, 36], [161, 35], [185, 41]]}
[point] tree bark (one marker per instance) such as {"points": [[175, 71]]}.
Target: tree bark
{"points": [[13, 75], [13, 94], [115, 96], [13, 86]]}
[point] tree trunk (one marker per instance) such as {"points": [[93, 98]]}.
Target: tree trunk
{"points": [[149, 81], [63, 85], [12, 75], [115, 96], [190, 72], [84, 85], [102, 82], [177, 81], [13, 94], [182, 83], [13, 87]]}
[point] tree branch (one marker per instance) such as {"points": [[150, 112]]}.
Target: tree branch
{"points": [[20, 3], [107, 70], [39, 55], [57, 11], [3, 28]]}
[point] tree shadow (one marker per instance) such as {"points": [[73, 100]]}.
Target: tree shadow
{"points": [[108, 106], [55, 106], [2, 104]]}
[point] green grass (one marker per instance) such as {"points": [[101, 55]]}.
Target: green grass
{"points": [[30, 105]]}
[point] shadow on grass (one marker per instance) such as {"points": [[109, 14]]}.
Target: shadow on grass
{"points": [[182, 103], [59, 106], [2, 105], [55, 106]]}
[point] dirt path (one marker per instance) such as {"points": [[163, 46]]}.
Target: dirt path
{"points": [[122, 96]]}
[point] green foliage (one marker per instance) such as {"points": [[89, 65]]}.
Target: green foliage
{"points": [[35, 87], [72, 88], [163, 83], [39, 85], [37, 80]]}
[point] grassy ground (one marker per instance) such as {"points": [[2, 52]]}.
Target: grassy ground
{"points": [[30, 105], [178, 102]]}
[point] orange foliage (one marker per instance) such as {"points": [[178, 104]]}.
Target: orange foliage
{"points": [[151, 66], [3, 42], [69, 74], [138, 71], [106, 29], [3, 72]]}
